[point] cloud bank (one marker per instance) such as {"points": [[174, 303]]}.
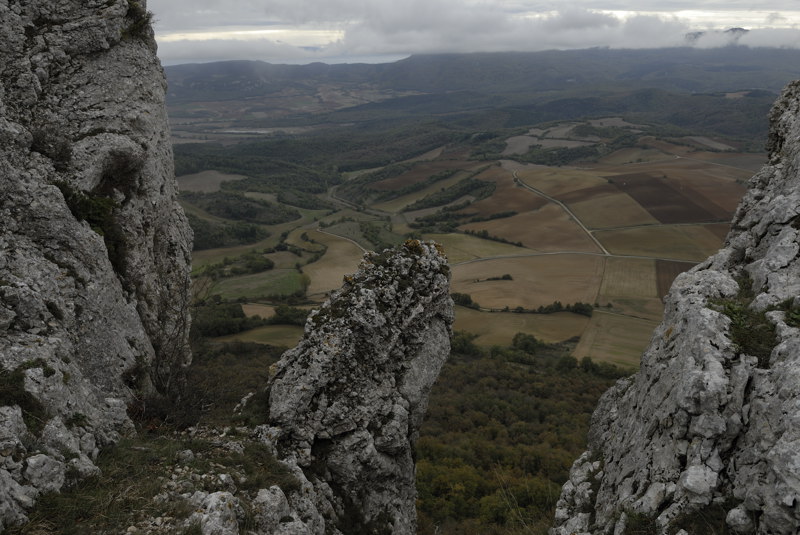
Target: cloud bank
{"points": [[311, 30]]}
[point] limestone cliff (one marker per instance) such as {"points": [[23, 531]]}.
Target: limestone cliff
{"points": [[94, 250], [708, 431], [346, 404]]}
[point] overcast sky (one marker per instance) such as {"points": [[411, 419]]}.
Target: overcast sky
{"points": [[303, 31]]}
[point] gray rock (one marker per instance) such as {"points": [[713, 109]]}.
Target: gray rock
{"points": [[739, 521], [703, 422], [44, 473], [184, 456], [84, 317], [270, 508], [14, 500], [12, 430], [217, 513], [347, 402]]}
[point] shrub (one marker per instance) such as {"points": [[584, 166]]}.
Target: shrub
{"points": [[750, 330], [140, 21], [464, 300]]}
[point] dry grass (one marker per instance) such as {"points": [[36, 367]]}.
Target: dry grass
{"points": [[342, 258], [212, 256], [202, 214], [499, 328], [638, 307], [276, 335], [396, 205], [537, 280], [720, 195], [557, 181], [462, 247], [257, 309], [635, 155], [666, 272], [419, 173], [519, 144], [547, 230], [616, 339], [692, 243], [708, 142], [561, 131], [613, 121], [507, 196], [629, 277], [269, 197], [284, 259], [295, 238], [205, 181], [276, 281], [666, 200], [616, 210]]}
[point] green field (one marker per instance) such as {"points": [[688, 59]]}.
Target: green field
{"points": [[654, 178], [274, 335], [258, 285], [499, 328], [205, 181], [558, 260]]}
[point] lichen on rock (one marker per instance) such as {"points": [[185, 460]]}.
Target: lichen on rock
{"points": [[346, 404], [94, 249], [712, 419]]}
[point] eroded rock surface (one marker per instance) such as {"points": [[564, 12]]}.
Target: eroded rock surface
{"points": [[94, 250], [711, 422], [346, 404]]}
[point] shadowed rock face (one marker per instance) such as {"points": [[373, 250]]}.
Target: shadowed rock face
{"points": [[347, 402], [711, 422], [94, 250]]}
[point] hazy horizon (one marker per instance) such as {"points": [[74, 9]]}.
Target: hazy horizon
{"points": [[378, 31]]}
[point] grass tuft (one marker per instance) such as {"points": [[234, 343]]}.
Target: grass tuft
{"points": [[140, 18], [750, 330]]}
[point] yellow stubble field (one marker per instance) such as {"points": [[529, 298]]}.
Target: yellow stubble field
{"points": [[631, 286], [692, 243], [461, 247], [611, 210], [499, 328], [556, 181], [341, 258], [205, 181], [547, 229], [537, 280], [615, 338]]}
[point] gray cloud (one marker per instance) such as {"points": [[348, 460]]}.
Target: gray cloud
{"points": [[388, 27]]}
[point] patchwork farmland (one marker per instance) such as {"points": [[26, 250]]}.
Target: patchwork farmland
{"points": [[612, 233]]}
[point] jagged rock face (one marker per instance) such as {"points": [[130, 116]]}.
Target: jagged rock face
{"points": [[711, 422], [346, 404], [94, 250]]}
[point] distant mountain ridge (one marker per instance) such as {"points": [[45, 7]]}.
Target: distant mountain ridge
{"points": [[673, 69]]}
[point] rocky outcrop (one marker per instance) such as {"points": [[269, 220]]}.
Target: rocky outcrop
{"points": [[94, 250], [346, 404], [708, 431]]}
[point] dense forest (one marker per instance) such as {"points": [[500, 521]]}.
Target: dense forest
{"points": [[502, 430]]}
